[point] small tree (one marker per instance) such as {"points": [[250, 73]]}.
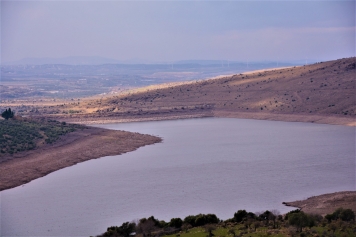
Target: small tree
{"points": [[256, 225], [176, 222], [300, 220], [274, 216], [126, 229], [209, 228], [240, 215], [7, 114], [266, 216], [145, 226]]}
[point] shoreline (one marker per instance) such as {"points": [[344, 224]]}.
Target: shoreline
{"points": [[93, 142], [71, 149], [303, 118]]}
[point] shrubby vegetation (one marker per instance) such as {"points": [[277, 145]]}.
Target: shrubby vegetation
{"points": [[340, 213], [21, 134], [341, 223], [7, 114]]}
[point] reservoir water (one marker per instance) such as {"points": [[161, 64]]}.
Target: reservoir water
{"points": [[211, 165]]}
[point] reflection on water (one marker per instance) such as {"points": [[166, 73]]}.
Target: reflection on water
{"points": [[211, 165]]}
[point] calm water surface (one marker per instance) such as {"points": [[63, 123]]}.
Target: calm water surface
{"points": [[211, 165]]}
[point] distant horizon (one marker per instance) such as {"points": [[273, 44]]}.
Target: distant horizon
{"points": [[97, 60], [171, 31]]}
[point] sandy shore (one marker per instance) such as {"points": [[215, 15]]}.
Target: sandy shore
{"points": [[326, 203], [71, 149]]}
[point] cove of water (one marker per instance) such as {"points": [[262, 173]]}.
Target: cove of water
{"points": [[212, 165]]}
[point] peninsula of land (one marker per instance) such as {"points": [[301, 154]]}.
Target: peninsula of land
{"points": [[72, 148], [326, 203]]}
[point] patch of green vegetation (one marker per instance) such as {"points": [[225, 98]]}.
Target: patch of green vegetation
{"points": [[26, 134], [269, 223]]}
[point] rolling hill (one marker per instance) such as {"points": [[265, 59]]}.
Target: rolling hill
{"points": [[322, 92]]}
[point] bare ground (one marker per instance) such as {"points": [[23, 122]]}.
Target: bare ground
{"points": [[71, 149], [326, 203]]}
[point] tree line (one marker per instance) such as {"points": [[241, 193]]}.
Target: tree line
{"points": [[247, 223]]}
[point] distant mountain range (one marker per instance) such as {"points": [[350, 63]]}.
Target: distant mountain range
{"points": [[96, 60]]}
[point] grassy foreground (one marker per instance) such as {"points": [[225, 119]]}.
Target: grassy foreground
{"points": [[340, 223]]}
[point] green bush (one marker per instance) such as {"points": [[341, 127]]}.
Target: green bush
{"points": [[342, 214], [176, 222]]}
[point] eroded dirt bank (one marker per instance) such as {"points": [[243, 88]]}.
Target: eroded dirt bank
{"points": [[73, 148]]}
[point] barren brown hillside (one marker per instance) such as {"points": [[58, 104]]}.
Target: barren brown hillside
{"points": [[322, 92]]}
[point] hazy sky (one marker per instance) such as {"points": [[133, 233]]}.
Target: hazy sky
{"points": [[178, 30]]}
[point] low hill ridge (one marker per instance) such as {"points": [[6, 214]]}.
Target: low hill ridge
{"points": [[322, 92]]}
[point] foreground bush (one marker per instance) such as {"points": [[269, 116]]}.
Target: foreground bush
{"points": [[295, 223], [343, 214]]}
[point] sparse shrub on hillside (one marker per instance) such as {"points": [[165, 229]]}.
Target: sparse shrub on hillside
{"points": [[7, 114]]}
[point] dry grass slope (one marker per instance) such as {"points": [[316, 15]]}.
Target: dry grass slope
{"points": [[322, 92]]}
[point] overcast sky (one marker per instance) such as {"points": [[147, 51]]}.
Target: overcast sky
{"points": [[178, 30]]}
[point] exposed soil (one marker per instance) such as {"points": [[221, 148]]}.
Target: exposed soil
{"points": [[326, 203], [75, 147]]}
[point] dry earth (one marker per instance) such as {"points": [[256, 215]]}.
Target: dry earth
{"points": [[71, 149], [321, 93], [326, 203]]}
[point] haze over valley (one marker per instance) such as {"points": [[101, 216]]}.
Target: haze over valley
{"points": [[66, 81]]}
